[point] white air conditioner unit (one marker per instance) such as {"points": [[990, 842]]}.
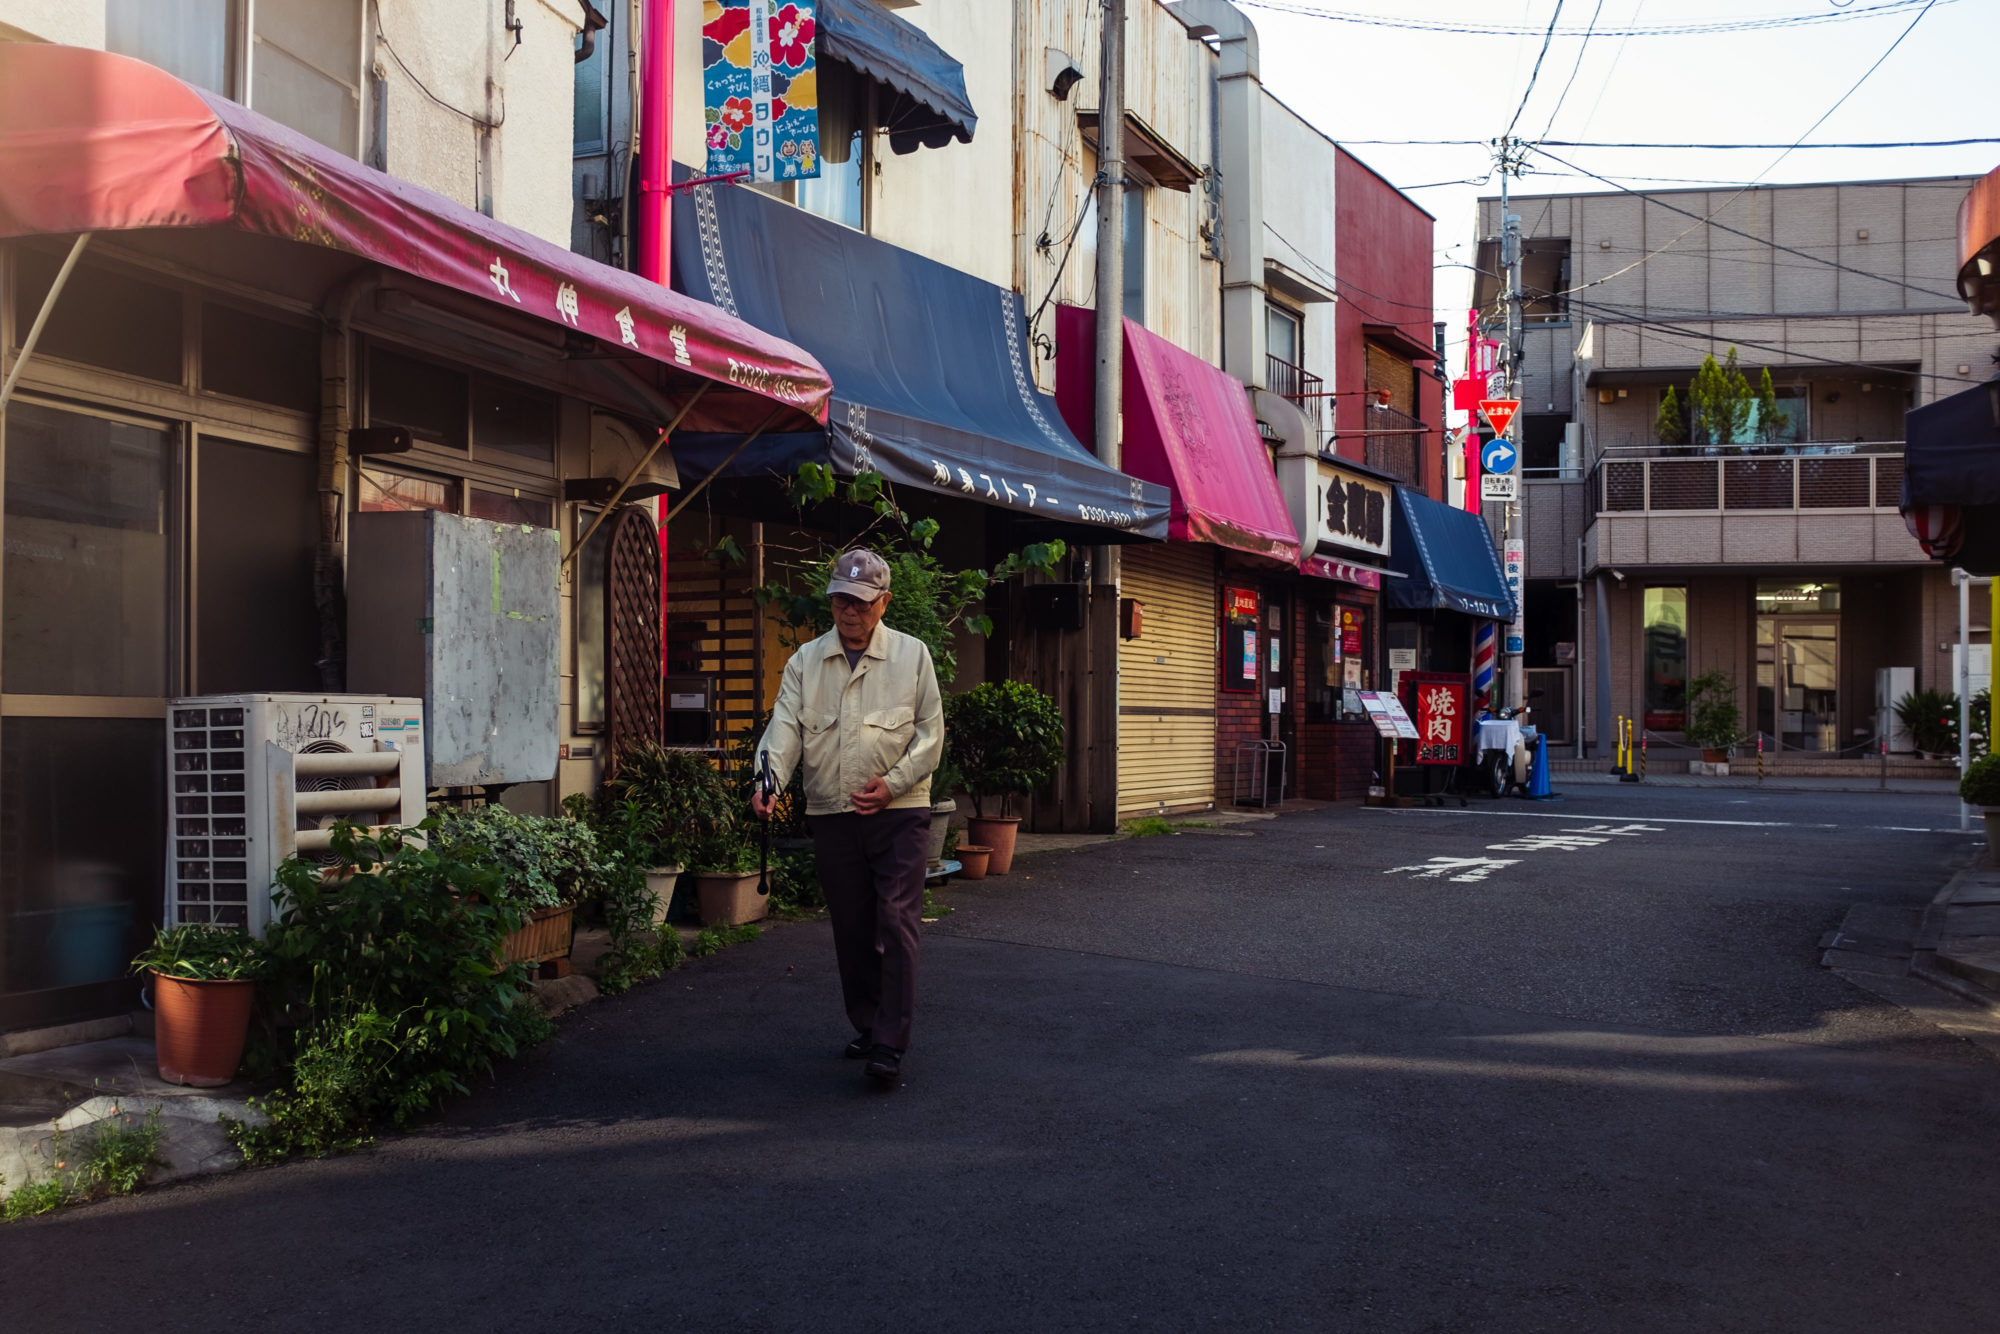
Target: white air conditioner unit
{"points": [[257, 778]]}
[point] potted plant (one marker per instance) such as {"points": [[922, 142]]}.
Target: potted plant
{"points": [[1932, 717], [726, 878], [1981, 787], [944, 782], [685, 792], [1006, 739], [204, 982], [548, 864], [1712, 718]]}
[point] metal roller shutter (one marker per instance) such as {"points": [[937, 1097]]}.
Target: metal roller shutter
{"points": [[1166, 687]]}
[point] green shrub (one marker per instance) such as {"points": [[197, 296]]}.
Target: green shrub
{"points": [[386, 988], [1712, 718], [682, 789], [1980, 785], [1932, 717], [544, 861], [1006, 738], [202, 952]]}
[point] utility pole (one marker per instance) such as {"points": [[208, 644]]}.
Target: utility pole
{"points": [[1516, 529], [1102, 628]]}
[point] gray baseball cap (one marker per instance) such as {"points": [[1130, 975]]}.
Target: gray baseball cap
{"points": [[859, 574]]}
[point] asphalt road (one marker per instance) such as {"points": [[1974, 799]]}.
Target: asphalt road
{"points": [[1299, 1075]]}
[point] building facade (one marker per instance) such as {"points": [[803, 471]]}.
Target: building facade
{"points": [[1765, 545]]}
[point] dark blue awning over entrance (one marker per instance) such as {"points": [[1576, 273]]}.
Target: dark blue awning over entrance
{"points": [[1448, 559], [927, 106], [931, 379], [1952, 450]]}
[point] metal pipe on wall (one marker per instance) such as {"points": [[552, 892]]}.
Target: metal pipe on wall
{"points": [[656, 140], [1602, 712]]}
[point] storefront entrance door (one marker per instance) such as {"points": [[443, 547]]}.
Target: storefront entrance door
{"points": [[1808, 661]]}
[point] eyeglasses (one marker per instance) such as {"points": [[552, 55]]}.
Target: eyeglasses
{"points": [[848, 602]]}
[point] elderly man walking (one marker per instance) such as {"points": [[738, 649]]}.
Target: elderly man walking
{"points": [[859, 707]]}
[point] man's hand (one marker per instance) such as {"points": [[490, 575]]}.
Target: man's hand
{"points": [[761, 804], [873, 799]]}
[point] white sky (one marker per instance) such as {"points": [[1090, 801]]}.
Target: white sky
{"points": [[1356, 82]]}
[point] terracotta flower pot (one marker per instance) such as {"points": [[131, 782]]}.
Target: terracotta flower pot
{"points": [[972, 860], [995, 832], [729, 899], [199, 1027], [1711, 755]]}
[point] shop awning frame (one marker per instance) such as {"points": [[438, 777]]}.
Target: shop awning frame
{"points": [[1449, 561], [92, 142], [927, 106], [931, 379], [1188, 427]]}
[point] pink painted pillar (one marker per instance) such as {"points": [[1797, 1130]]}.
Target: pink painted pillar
{"points": [[656, 170]]}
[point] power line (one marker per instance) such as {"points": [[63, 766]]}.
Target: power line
{"points": [[1575, 69], [1838, 103], [1600, 143], [1534, 73], [1658, 202], [1698, 29]]}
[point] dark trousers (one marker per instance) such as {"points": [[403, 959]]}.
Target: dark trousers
{"points": [[872, 870]]}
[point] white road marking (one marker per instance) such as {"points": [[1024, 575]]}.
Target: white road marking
{"points": [[1471, 870], [1667, 819]]}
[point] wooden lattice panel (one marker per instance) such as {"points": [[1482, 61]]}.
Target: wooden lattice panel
{"points": [[632, 631]]}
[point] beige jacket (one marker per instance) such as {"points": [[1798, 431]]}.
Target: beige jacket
{"points": [[884, 719]]}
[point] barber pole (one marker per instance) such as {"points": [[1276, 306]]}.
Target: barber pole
{"points": [[1485, 660]]}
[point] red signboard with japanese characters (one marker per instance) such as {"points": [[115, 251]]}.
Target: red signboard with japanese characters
{"points": [[1436, 702]]}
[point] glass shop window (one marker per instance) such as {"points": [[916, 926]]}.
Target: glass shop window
{"points": [[88, 555], [251, 357], [513, 420], [391, 491], [101, 318], [427, 400], [1666, 658]]}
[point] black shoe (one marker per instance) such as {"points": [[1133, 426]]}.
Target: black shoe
{"points": [[885, 1065], [860, 1047]]}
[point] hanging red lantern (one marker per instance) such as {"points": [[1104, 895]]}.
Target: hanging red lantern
{"points": [[1939, 529]]}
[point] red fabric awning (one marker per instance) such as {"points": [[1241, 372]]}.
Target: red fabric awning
{"points": [[94, 142], [1190, 428]]}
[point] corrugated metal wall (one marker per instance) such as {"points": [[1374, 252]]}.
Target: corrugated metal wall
{"points": [[1166, 723]]}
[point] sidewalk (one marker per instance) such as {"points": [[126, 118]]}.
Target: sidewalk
{"points": [[1941, 961], [1932, 787]]}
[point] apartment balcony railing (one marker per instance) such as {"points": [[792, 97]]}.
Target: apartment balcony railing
{"points": [[1394, 443], [1747, 506], [1305, 390], [1710, 480]]}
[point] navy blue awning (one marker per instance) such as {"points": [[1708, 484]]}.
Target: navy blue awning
{"points": [[927, 106], [931, 380], [1448, 559], [1951, 454]]}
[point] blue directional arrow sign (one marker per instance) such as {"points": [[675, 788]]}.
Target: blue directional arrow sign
{"points": [[1498, 456]]}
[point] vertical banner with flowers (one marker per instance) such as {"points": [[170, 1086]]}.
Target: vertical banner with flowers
{"points": [[760, 88]]}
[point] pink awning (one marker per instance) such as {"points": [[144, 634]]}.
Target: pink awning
{"points": [[1189, 427], [94, 142]]}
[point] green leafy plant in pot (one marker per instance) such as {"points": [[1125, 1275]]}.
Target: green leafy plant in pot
{"points": [[204, 986], [691, 798], [1932, 718], [1006, 740], [1980, 787], [726, 876], [549, 864], [1712, 717]]}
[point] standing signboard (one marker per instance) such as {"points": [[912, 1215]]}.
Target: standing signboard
{"points": [[760, 89], [1437, 705]]}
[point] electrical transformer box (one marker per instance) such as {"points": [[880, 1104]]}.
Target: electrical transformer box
{"points": [[465, 614]]}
